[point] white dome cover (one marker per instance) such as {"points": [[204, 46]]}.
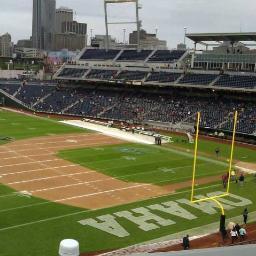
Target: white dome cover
{"points": [[69, 247]]}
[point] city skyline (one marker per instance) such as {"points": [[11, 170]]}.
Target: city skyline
{"points": [[42, 28], [168, 19]]}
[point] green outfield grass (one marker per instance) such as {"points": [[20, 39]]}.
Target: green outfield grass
{"points": [[207, 147], [19, 126], [143, 163], [31, 226]]}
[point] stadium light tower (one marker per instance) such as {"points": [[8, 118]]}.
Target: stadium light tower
{"points": [[137, 22], [185, 34]]}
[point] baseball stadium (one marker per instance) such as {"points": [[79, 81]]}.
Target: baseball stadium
{"points": [[131, 150]]}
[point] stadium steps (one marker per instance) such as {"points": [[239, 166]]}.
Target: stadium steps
{"points": [[184, 56], [118, 55], [19, 89], [70, 106], [42, 99], [13, 99], [214, 81], [59, 71], [187, 120], [220, 125], [107, 109], [79, 56], [86, 73], [150, 55], [178, 80], [146, 77], [117, 74], [146, 113]]}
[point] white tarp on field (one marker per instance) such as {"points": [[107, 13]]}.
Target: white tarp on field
{"points": [[112, 132]]}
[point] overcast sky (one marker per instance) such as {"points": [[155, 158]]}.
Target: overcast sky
{"points": [[168, 16]]}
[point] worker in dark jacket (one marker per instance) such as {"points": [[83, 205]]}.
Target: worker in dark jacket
{"points": [[185, 242]]}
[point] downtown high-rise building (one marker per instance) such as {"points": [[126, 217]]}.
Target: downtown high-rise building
{"points": [[43, 27], [6, 45], [69, 34], [63, 14]]}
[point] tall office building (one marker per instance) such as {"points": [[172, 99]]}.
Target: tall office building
{"points": [[69, 34], [63, 14], [74, 27], [43, 24], [147, 41], [6, 45]]}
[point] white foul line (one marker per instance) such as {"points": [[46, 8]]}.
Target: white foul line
{"points": [[50, 177], [80, 212], [34, 162], [39, 169]]}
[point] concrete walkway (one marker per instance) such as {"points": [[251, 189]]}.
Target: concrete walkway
{"points": [[176, 238]]}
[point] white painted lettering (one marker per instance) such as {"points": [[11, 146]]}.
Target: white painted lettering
{"points": [[144, 219], [174, 209], [240, 201], [108, 224]]}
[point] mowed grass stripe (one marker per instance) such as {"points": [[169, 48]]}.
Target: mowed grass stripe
{"points": [[144, 164], [20, 126], [208, 148], [46, 210], [43, 235]]}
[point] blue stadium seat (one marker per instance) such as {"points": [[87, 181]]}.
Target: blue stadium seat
{"points": [[99, 54], [163, 77], [166, 56], [199, 79], [134, 55], [237, 81], [72, 73]]}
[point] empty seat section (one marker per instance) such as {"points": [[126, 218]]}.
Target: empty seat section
{"points": [[134, 55], [166, 56], [101, 74], [163, 77], [72, 73], [99, 54], [237, 81], [200, 79], [131, 75]]}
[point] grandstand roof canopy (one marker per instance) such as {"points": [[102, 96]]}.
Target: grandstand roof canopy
{"points": [[219, 37]]}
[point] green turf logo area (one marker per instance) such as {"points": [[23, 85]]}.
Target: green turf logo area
{"points": [[133, 150], [147, 219]]}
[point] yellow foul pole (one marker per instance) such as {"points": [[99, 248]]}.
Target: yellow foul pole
{"points": [[232, 150], [195, 156]]}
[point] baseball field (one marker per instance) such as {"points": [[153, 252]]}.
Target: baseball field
{"points": [[58, 182]]}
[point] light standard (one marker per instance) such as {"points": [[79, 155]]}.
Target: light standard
{"points": [[124, 36], [91, 30], [185, 33], [156, 31]]}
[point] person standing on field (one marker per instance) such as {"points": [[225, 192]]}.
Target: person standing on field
{"points": [[245, 215], [217, 152], [241, 179], [185, 242]]}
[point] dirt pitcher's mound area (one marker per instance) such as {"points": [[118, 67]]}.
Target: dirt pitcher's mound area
{"points": [[33, 166]]}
